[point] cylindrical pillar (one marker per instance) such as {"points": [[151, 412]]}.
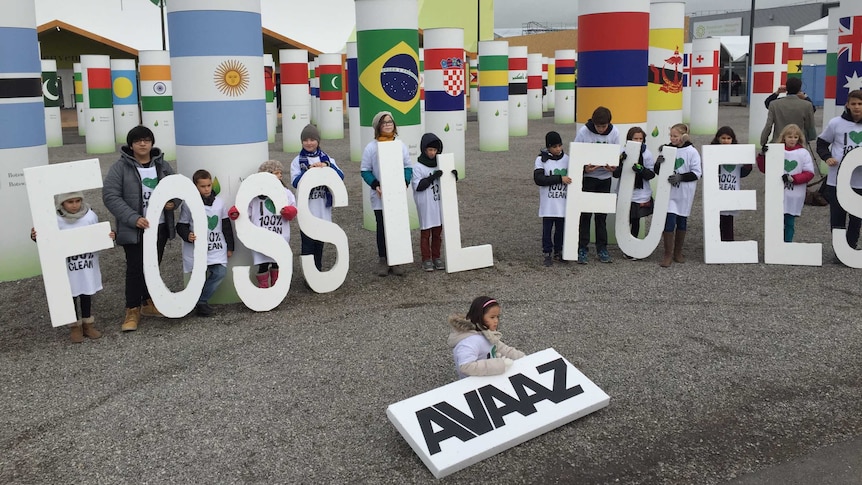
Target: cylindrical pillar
{"points": [[768, 71], [331, 121], [849, 57], [313, 83], [830, 110], [550, 94], [622, 88], [157, 99], [534, 86], [79, 98], [564, 86], [686, 83], [271, 107], [295, 97], [422, 89], [794, 55], [124, 87], [493, 96], [664, 96], [219, 98], [518, 91], [704, 86], [98, 104], [474, 85], [356, 146], [445, 84], [22, 144], [51, 98]]}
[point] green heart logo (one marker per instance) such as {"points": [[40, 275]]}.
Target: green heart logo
{"points": [[212, 222], [269, 206], [728, 168], [790, 165], [151, 183], [856, 136], [560, 171], [678, 163]]}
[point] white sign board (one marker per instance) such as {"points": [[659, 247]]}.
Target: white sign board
{"points": [[716, 200], [457, 258], [464, 422], [717, 28]]}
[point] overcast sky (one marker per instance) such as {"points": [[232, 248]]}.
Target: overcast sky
{"points": [[512, 13]]}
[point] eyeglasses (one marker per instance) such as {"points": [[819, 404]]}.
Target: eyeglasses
{"points": [[387, 122]]}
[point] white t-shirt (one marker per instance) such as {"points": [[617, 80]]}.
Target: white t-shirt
{"points": [[263, 213], [428, 200], [796, 161], [843, 136], [149, 180], [85, 277], [729, 177], [216, 243], [552, 198], [317, 196], [586, 136], [682, 196]]}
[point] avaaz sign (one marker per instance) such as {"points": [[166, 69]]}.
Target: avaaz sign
{"points": [[462, 423]]}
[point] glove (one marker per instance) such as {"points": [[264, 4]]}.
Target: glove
{"points": [[764, 149], [508, 362], [455, 173], [637, 168], [437, 174], [233, 213], [675, 178], [623, 156], [788, 181], [288, 212]]}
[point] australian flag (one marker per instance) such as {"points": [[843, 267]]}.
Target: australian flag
{"points": [[849, 65]]}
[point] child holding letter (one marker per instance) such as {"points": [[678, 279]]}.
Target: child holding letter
{"points": [[798, 171], [683, 175], [642, 201], [426, 193], [551, 174], [728, 179]]}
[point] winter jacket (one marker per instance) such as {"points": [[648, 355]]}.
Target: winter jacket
{"points": [[471, 349], [122, 194]]}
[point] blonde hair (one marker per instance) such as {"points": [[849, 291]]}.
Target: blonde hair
{"points": [[683, 129], [792, 129]]}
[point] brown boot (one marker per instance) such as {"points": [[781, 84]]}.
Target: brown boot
{"points": [[678, 243], [76, 333], [133, 317], [148, 309], [667, 259], [90, 328]]}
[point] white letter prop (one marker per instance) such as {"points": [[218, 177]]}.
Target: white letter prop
{"points": [[851, 203], [263, 241], [170, 304], [716, 251], [462, 423], [321, 230], [43, 182], [396, 221], [631, 245], [775, 250], [457, 258], [578, 201]]}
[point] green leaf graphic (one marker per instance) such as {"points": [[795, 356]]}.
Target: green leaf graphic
{"points": [[216, 186], [269, 205], [655, 132]]}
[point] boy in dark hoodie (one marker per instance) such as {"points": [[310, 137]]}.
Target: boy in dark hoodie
{"points": [[597, 178], [551, 175], [426, 193]]}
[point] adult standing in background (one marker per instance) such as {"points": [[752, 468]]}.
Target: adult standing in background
{"points": [[790, 109]]}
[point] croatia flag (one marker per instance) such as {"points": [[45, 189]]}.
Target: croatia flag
{"points": [[849, 65]]}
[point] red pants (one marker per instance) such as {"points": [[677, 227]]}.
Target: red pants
{"points": [[429, 242]]}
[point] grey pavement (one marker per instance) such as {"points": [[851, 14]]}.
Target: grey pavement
{"points": [[717, 374]]}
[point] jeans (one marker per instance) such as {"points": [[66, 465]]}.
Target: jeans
{"points": [[312, 246], [556, 244], [789, 227], [215, 274], [674, 221], [598, 186], [838, 216], [381, 234]]}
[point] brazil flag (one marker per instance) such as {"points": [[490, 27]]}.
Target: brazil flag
{"points": [[388, 65]]}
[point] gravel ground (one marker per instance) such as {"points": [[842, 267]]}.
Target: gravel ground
{"points": [[713, 371]]}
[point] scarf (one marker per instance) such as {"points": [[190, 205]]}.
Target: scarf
{"points": [[208, 201], [639, 178], [303, 165], [546, 155], [85, 207], [427, 161], [385, 137]]}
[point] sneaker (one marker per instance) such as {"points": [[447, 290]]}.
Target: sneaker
{"points": [[582, 255], [548, 261], [604, 257], [428, 265], [438, 264], [558, 257], [204, 309]]}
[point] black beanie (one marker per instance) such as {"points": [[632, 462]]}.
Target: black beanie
{"points": [[553, 138]]}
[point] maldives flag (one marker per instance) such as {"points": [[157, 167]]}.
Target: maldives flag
{"points": [[99, 88]]}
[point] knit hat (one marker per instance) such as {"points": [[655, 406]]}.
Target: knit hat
{"points": [[310, 131], [553, 138], [60, 198], [376, 120], [270, 166]]}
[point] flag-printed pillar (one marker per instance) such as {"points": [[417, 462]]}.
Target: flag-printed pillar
{"points": [[79, 98], [794, 55], [314, 90], [664, 98], [22, 144], [331, 122], [686, 83], [295, 97], [518, 115], [564, 86], [849, 60], [51, 98], [550, 94], [157, 99], [474, 85], [830, 110], [124, 88], [704, 87], [445, 83], [493, 96], [768, 71], [356, 146], [219, 98], [422, 88], [269, 86], [611, 70], [98, 104], [387, 48], [534, 86], [544, 84]]}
